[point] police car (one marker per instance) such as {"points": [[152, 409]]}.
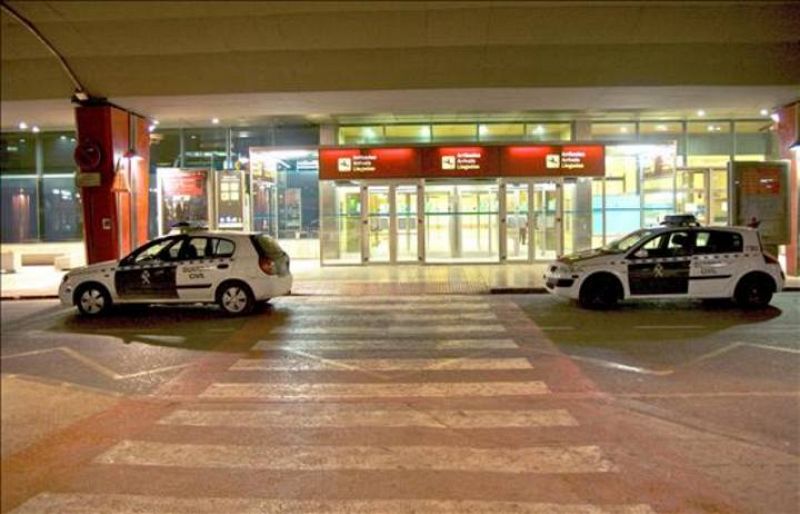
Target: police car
{"points": [[234, 270], [679, 260]]}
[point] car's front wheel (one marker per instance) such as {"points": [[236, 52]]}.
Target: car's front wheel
{"points": [[92, 300], [235, 298], [600, 292], [753, 292]]}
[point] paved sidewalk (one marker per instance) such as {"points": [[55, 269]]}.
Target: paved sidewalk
{"points": [[312, 279]]}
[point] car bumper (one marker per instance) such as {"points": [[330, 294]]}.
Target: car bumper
{"points": [[564, 286], [65, 294], [273, 287]]}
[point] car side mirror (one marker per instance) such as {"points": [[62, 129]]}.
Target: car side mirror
{"points": [[641, 254]]}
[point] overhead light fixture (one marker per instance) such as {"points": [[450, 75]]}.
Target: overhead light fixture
{"points": [[151, 128], [701, 113], [215, 121], [35, 129], [156, 122], [661, 128], [22, 125], [764, 112], [624, 130], [62, 137], [775, 117]]}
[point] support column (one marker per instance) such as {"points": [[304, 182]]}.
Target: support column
{"points": [[788, 134], [113, 154]]}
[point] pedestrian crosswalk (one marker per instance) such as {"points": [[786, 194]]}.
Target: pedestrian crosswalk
{"points": [[345, 391]]}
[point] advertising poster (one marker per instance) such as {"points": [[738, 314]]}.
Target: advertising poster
{"points": [[230, 200], [760, 198], [183, 197]]}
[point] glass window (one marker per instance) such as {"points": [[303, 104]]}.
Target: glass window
{"points": [[58, 149], [367, 135], [623, 199], [754, 140], [19, 212], [671, 244], [165, 148], [456, 132], [196, 248], [17, 153], [614, 131], [709, 144], [296, 135], [205, 148], [160, 249], [709, 242], [62, 209], [501, 131], [663, 132], [658, 172], [548, 131], [408, 133], [341, 222], [222, 248]]}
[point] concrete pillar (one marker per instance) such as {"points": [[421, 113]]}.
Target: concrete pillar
{"points": [[788, 133], [113, 154]]}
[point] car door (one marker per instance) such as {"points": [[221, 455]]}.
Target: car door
{"points": [[715, 263], [661, 265], [204, 263], [149, 272]]}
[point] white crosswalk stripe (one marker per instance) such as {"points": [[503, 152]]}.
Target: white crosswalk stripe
{"points": [[413, 317], [49, 503], [361, 416], [540, 459], [393, 307], [391, 330], [318, 364], [377, 343], [304, 391], [398, 299]]}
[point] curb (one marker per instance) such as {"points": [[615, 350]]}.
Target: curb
{"points": [[517, 290], [30, 297]]}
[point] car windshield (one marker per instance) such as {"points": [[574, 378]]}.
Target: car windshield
{"points": [[625, 243]]}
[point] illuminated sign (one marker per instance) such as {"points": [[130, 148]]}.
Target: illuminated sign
{"points": [[467, 161]]}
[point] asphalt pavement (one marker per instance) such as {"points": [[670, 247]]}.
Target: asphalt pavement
{"points": [[400, 404]]}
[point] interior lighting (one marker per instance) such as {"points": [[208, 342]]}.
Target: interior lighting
{"points": [[215, 121], [23, 125], [624, 130], [775, 117], [151, 128], [35, 129], [62, 137], [701, 113], [156, 122], [764, 112]]}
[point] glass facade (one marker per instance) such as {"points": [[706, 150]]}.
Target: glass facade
{"points": [[652, 168]]}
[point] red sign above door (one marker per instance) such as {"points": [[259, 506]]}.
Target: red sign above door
{"points": [[462, 161]]}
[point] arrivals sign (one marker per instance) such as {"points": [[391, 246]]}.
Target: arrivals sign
{"points": [[462, 161]]}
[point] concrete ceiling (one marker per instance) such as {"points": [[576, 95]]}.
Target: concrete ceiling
{"points": [[265, 62]]}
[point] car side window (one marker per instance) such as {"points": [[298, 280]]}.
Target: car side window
{"points": [[671, 244], [713, 241], [195, 248], [221, 247], [155, 251]]}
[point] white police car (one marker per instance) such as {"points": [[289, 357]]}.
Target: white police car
{"points": [[234, 270], [670, 262]]}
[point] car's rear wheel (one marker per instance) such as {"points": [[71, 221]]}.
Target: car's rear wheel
{"points": [[753, 292], [600, 292], [92, 300], [235, 298]]}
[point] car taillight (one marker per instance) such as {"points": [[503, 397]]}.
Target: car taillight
{"points": [[266, 265], [769, 259]]}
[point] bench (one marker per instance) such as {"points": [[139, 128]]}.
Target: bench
{"points": [[10, 261], [63, 262]]}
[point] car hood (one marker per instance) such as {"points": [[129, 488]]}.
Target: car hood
{"points": [[93, 268], [594, 256]]}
